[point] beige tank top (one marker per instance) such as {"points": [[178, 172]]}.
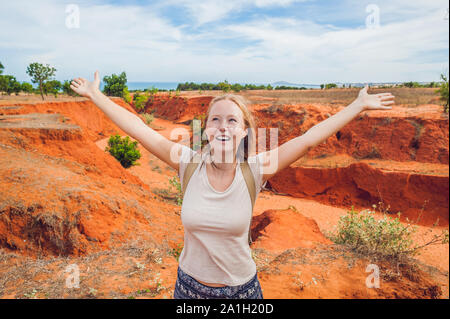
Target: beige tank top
{"points": [[216, 225]]}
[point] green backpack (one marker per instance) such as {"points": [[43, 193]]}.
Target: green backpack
{"points": [[246, 172]]}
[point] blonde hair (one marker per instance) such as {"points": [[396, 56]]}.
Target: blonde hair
{"points": [[247, 146]]}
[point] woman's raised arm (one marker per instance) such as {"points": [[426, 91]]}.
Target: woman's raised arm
{"points": [[131, 124], [289, 152]]}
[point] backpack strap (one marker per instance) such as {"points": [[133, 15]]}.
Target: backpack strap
{"points": [[250, 181], [246, 172], [189, 170]]}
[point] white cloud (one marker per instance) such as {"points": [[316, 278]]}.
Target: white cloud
{"points": [[348, 54], [213, 10], [150, 47]]}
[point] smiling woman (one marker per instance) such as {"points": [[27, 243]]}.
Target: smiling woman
{"points": [[217, 208], [216, 260]]}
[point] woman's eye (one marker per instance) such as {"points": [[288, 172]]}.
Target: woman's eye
{"points": [[232, 120]]}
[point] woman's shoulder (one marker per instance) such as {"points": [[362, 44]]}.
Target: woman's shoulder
{"points": [[254, 161], [187, 154]]}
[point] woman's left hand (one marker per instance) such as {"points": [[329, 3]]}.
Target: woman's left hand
{"points": [[379, 101]]}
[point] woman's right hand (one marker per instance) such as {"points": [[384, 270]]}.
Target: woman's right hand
{"points": [[85, 88]]}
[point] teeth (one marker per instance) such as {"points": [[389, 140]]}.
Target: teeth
{"points": [[223, 138]]}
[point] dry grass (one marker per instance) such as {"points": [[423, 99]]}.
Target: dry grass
{"points": [[409, 97], [139, 261]]}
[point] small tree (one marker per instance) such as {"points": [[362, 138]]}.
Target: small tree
{"points": [[443, 91], [139, 101], [115, 85], [52, 87], [224, 86], [412, 84], [39, 74], [123, 150], [67, 90], [1, 68], [152, 90], [26, 87], [16, 87], [9, 84]]}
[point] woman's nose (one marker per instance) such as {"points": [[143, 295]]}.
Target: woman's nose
{"points": [[222, 126]]}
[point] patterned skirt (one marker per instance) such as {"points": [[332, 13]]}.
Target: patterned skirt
{"points": [[186, 287]]}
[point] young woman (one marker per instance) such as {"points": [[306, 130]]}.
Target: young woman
{"points": [[216, 259]]}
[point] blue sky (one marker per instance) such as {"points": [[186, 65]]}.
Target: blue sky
{"points": [[247, 41]]}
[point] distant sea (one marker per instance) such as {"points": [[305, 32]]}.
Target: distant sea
{"points": [[147, 85], [173, 85]]}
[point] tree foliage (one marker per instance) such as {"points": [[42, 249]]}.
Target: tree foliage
{"points": [[443, 91], [39, 74], [26, 87], [221, 86], [284, 87], [52, 87], [9, 84], [115, 85], [67, 90], [139, 101], [123, 150]]}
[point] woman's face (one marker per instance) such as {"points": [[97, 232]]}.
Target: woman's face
{"points": [[225, 127]]}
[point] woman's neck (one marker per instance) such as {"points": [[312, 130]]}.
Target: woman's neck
{"points": [[227, 163]]}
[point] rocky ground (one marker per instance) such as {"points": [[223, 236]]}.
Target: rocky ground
{"points": [[67, 204]]}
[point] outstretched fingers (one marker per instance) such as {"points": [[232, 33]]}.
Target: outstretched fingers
{"points": [[387, 98], [79, 81], [383, 94]]}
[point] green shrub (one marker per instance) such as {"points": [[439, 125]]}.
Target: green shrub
{"points": [[176, 252], [139, 101], [115, 85], [67, 90], [153, 90], [412, 84], [175, 183], [387, 238], [9, 84], [123, 150], [148, 118], [443, 91], [52, 87], [26, 87], [126, 95]]}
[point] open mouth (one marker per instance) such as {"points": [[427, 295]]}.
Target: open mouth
{"points": [[223, 138]]}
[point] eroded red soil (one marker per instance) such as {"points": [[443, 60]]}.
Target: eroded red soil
{"points": [[64, 200]]}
